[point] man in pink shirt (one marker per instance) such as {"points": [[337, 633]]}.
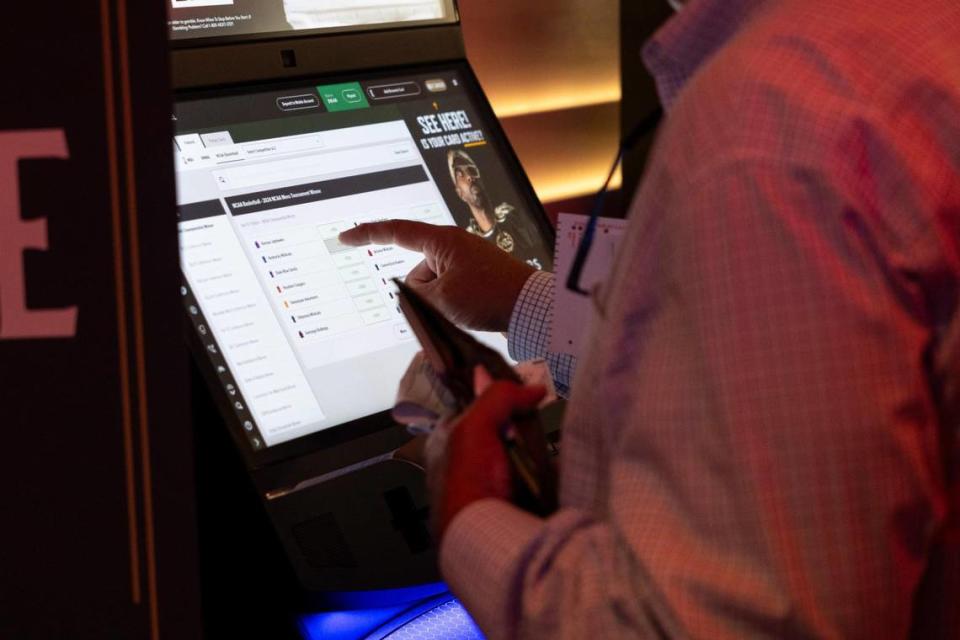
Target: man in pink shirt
{"points": [[763, 438]]}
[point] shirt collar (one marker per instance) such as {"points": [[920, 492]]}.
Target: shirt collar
{"points": [[690, 38]]}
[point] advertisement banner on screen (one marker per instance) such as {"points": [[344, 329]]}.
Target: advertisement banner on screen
{"points": [[191, 19]]}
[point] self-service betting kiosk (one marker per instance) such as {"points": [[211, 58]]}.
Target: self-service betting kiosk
{"points": [[295, 120]]}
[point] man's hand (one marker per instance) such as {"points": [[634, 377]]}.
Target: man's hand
{"points": [[476, 465], [471, 281]]}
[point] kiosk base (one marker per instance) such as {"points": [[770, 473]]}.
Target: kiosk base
{"points": [[249, 588], [439, 617]]}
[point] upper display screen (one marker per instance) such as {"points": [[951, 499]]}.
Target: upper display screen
{"points": [[305, 333], [190, 19]]}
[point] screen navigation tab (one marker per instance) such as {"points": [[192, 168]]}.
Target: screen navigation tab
{"points": [[392, 91], [343, 97], [298, 103]]}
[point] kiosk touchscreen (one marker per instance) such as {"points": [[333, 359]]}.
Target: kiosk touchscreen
{"points": [[308, 330], [303, 335]]}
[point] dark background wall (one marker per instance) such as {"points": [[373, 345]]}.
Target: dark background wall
{"points": [[97, 536]]}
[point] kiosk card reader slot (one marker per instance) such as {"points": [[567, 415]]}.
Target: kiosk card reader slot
{"points": [[300, 338]]}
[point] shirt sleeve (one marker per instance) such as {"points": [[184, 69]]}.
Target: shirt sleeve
{"points": [[528, 335], [525, 577]]}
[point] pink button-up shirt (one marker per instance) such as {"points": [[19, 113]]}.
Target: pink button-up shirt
{"points": [[763, 438]]}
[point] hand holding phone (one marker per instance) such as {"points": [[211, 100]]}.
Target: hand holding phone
{"points": [[503, 411]]}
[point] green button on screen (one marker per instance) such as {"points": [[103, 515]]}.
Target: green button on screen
{"points": [[343, 97]]}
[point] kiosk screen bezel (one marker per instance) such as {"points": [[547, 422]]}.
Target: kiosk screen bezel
{"points": [[381, 421]]}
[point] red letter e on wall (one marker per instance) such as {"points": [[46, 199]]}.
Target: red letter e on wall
{"points": [[16, 321]]}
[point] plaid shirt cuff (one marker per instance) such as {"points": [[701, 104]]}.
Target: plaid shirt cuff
{"points": [[528, 335]]}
